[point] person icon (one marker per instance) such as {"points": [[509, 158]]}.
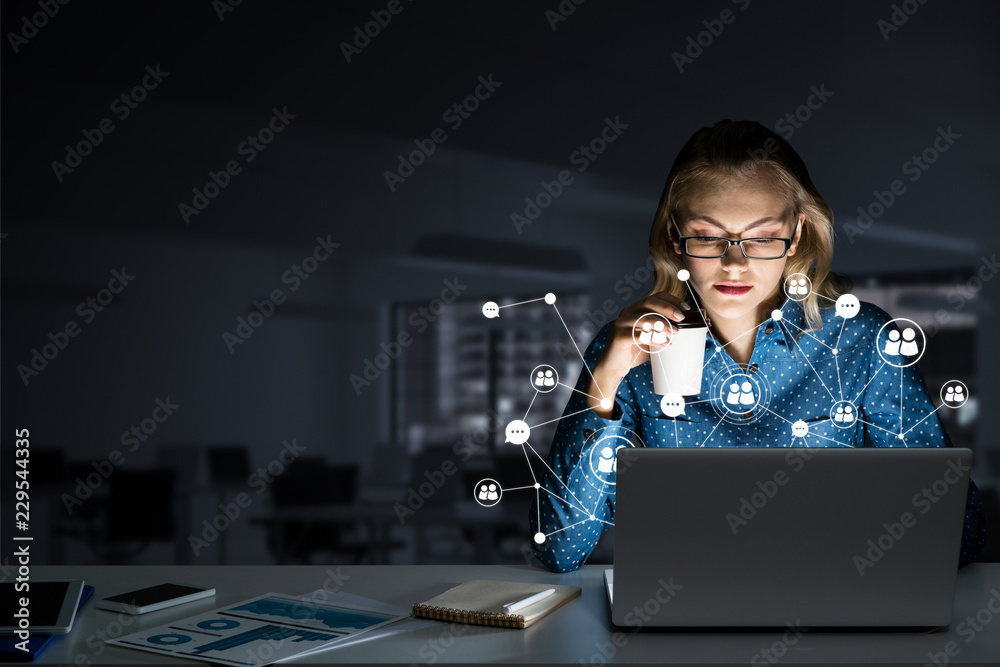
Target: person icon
{"points": [[892, 345], [959, 394], [734, 394], [483, 492], [607, 463], [838, 416], [909, 345], [746, 394], [659, 335], [950, 395], [647, 333], [540, 379], [802, 289], [492, 494], [549, 380], [848, 414]]}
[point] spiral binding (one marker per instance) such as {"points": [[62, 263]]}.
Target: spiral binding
{"points": [[490, 618]]}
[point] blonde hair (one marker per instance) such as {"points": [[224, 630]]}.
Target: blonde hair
{"points": [[747, 152]]}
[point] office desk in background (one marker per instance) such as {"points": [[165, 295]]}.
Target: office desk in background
{"points": [[579, 633]]}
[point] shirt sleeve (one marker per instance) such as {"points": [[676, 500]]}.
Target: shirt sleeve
{"points": [[575, 504], [896, 401]]}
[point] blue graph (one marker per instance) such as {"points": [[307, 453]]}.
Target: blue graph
{"points": [[171, 639], [273, 632], [338, 618]]}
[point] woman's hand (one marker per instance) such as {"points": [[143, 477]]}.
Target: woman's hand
{"points": [[621, 352]]}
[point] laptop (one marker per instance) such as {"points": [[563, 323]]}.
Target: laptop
{"points": [[762, 537]]}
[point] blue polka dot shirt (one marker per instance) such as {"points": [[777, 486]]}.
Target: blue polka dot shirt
{"points": [[838, 380]]}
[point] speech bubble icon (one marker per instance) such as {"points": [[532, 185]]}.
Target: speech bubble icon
{"points": [[491, 309], [800, 428], [517, 432], [848, 306], [672, 405]]}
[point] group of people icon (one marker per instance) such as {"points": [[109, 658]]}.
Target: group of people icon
{"points": [[906, 347], [955, 394], [741, 394], [608, 462], [488, 492], [545, 379], [844, 413], [653, 332], [797, 287]]}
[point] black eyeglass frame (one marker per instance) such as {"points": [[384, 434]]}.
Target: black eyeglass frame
{"points": [[682, 240]]}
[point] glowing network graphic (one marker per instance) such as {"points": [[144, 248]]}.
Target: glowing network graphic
{"points": [[738, 396]]}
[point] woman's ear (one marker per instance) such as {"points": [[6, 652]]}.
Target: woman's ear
{"points": [[800, 223], [672, 235]]}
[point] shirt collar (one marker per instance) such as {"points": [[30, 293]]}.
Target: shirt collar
{"points": [[792, 320]]}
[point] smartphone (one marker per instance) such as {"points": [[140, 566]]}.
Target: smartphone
{"points": [[154, 598]]}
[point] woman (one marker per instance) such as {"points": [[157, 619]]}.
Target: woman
{"points": [[778, 351]]}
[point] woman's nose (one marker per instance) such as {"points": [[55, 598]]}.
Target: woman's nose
{"points": [[734, 258]]}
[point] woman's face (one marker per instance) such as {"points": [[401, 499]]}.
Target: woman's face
{"points": [[737, 212]]}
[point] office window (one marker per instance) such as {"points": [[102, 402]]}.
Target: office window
{"points": [[464, 366]]}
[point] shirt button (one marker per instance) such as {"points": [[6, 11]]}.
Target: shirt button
{"points": [[748, 415], [752, 369], [588, 434], [769, 330]]}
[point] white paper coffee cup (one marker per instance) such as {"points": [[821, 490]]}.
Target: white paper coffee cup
{"points": [[677, 368]]}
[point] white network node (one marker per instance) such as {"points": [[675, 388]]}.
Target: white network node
{"points": [[737, 394]]}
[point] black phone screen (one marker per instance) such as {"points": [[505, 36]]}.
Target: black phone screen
{"points": [[154, 594]]}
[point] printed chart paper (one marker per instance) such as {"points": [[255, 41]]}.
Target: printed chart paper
{"points": [[259, 631]]}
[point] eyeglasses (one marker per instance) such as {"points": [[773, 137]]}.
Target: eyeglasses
{"points": [[711, 247]]}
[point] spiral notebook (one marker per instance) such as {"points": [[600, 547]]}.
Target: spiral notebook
{"points": [[481, 601]]}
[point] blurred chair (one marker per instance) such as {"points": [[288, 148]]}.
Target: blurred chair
{"points": [[510, 530], [188, 462], [139, 510], [228, 465], [307, 498], [385, 480], [48, 467], [229, 473], [439, 533]]}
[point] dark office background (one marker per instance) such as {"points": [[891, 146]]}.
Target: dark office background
{"points": [[271, 424]]}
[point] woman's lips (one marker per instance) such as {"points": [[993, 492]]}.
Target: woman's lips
{"points": [[732, 290]]}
